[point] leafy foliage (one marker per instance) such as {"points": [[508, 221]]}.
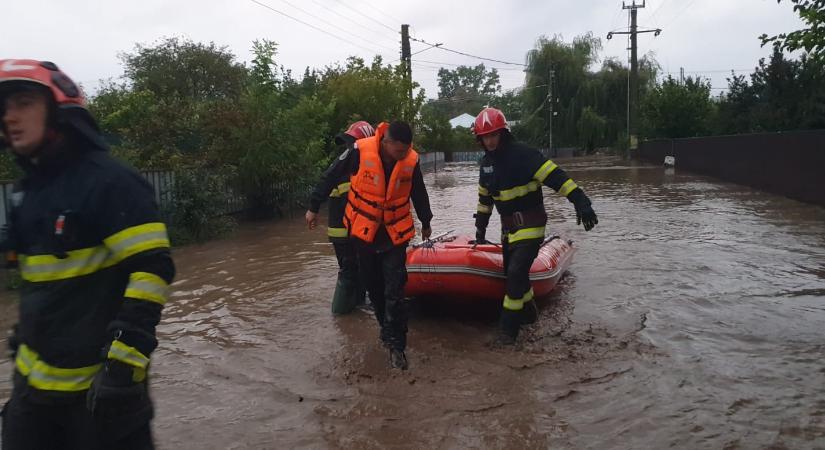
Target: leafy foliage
{"points": [[810, 39]]}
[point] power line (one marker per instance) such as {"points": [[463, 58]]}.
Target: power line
{"points": [[314, 27], [712, 71], [351, 20], [687, 6], [656, 11], [336, 26], [368, 17], [469, 55], [382, 12], [459, 65]]}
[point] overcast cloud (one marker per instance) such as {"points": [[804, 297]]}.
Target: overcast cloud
{"points": [[706, 37]]}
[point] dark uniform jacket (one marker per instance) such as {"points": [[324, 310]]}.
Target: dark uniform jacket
{"points": [[95, 262], [511, 178]]}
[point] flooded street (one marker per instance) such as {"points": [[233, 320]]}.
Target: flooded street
{"points": [[692, 317]]}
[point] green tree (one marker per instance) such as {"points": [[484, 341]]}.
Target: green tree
{"points": [[674, 109], [435, 133], [811, 39], [783, 94], [466, 89], [374, 93], [565, 67], [176, 67]]}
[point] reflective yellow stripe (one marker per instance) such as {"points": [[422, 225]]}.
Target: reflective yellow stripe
{"points": [[483, 191], [544, 171], [484, 209], [36, 268], [340, 190], [337, 232], [134, 240], [517, 304], [50, 378], [129, 355], [518, 191], [526, 233], [567, 187], [147, 286]]}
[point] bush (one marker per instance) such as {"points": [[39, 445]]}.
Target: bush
{"points": [[198, 207]]}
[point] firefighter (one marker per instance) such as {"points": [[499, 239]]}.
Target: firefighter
{"points": [[385, 177], [95, 261], [348, 291], [510, 179]]}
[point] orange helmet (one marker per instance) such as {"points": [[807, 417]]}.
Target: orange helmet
{"points": [[489, 120], [360, 130], [18, 73]]}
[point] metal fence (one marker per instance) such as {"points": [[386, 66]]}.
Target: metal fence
{"points": [[285, 196], [787, 163]]}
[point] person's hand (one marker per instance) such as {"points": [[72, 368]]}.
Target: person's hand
{"points": [[311, 219], [586, 216], [426, 232]]}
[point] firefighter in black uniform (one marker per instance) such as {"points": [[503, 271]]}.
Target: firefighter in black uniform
{"points": [[510, 178], [386, 177], [95, 262], [349, 292]]}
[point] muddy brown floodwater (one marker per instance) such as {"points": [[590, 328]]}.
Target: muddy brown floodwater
{"points": [[692, 317]]}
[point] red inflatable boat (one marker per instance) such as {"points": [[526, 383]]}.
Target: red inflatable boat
{"points": [[451, 267]]}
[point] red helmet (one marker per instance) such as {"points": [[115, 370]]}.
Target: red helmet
{"points": [[360, 130], [17, 73], [22, 74], [489, 120]]}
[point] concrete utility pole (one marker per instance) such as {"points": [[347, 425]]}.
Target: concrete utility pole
{"points": [[406, 58], [633, 94]]}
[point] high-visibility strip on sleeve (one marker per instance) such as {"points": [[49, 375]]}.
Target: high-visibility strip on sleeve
{"points": [[44, 376], [147, 286], [567, 187], [127, 354], [337, 232], [544, 171], [484, 209], [76, 263], [526, 233], [483, 191], [137, 239], [340, 190]]}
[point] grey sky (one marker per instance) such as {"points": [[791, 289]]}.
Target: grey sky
{"points": [[84, 37]]}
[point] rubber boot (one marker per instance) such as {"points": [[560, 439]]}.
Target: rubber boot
{"points": [[345, 297], [509, 325], [530, 313], [398, 360]]}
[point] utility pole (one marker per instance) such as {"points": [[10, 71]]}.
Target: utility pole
{"points": [[633, 94], [406, 59]]}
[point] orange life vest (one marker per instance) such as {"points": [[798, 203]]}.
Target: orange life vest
{"points": [[372, 202]]}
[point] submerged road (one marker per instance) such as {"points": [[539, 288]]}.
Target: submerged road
{"points": [[692, 317]]}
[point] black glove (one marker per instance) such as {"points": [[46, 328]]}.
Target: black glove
{"points": [[119, 404], [13, 341], [480, 236], [584, 212]]}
